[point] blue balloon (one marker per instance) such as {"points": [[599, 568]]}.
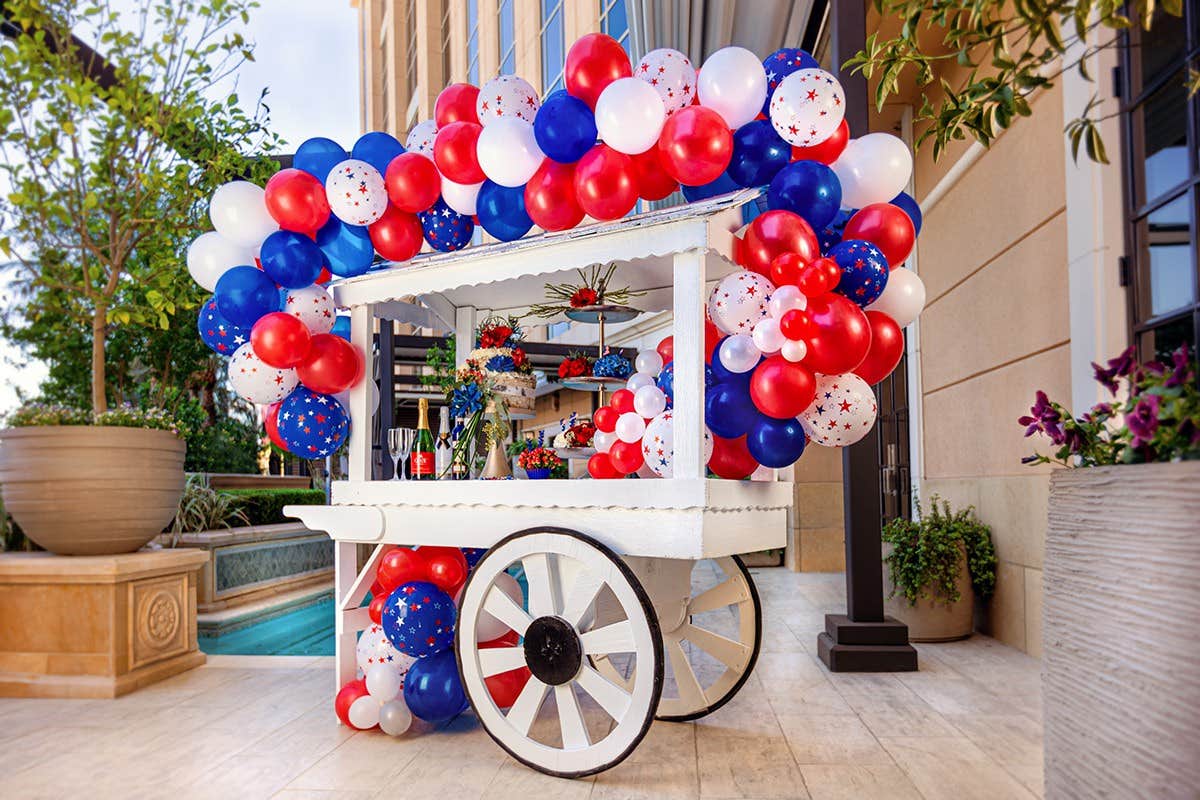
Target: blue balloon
{"points": [[432, 689], [444, 228], [722, 375], [831, 234], [758, 154], [291, 259], [221, 336], [377, 149], [728, 410], [666, 381], [472, 555], [419, 618], [722, 185], [779, 65], [908, 204], [244, 294], [318, 156], [807, 188], [776, 443], [864, 270], [565, 128], [501, 211], [312, 425], [347, 248], [341, 327]]}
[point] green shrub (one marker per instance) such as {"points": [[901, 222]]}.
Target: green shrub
{"points": [[925, 558], [204, 509], [265, 506]]}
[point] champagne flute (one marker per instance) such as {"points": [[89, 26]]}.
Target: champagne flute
{"points": [[400, 441]]}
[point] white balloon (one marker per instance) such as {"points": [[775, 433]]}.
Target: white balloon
{"points": [[658, 445], [739, 301], [637, 380], [488, 627], [460, 196], [768, 337], [313, 306], [672, 76], [793, 350], [649, 362], [375, 648], [807, 107], [762, 473], [506, 96], [420, 138], [383, 683], [364, 713], [843, 412], [238, 211], [785, 299], [356, 193], [508, 151], [739, 353], [211, 254], [630, 116], [394, 717], [630, 427], [603, 441], [903, 297], [649, 401], [733, 83], [257, 382], [873, 169]]}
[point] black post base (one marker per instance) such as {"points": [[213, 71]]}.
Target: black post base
{"points": [[848, 646]]}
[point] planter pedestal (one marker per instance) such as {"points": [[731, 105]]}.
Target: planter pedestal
{"points": [[96, 626]]}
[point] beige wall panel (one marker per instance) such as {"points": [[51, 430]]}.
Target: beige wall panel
{"points": [[819, 505], [1014, 507], [1033, 612], [819, 464], [1004, 617], [822, 549]]}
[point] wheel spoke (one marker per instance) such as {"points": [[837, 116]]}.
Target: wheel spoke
{"points": [[613, 699], [691, 693], [615, 638], [496, 660], [529, 701], [732, 654], [503, 608], [570, 718], [541, 572], [729, 593], [580, 597]]}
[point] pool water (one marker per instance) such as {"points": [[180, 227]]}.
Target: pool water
{"points": [[305, 631]]}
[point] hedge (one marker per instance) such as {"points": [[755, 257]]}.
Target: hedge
{"points": [[265, 506]]}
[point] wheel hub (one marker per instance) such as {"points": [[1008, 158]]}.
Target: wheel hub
{"points": [[552, 650]]}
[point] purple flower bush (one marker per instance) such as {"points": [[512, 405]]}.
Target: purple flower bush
{"points": [[1157, 418]]}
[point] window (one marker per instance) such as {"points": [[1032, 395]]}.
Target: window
{"points": [[553, 46], [1162, 182], [473, 41], [615, 23], [508, 38]]}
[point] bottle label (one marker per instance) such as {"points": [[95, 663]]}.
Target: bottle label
{"points": [[422, 463]]}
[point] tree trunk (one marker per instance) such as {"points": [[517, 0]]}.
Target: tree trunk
{"points": [[99, 368]]}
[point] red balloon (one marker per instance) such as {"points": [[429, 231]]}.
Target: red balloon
{"points": [[605, 419], [600, 466], [593, 62], [773, 233], [622, 401], [796, 324], [550, 197], [827, 151], [375, 608], [400, 565], [731, 459], [331, 366], [325, 277], [271, 423], [819, 277], [841, 335], [296, 200], [454, 152], [505, 687], [376, 586], [605, 183], [781, 389], [786, 269], [666, 349], [712, 338], [887, 347], [887, 227], [346, 697], [280, 340], [456, 103], [626, 457], [397, 235], [413, 183], [653, 182], [695, 145], [447, 567]]}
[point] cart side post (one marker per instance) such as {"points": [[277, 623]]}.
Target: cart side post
{"points": [[362, 320], [464, 333], [688, 327]]}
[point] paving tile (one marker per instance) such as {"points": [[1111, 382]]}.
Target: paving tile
{"points": [[1007, 738], [850, 782], [662, 766], [364, 762], [831, 739], [953, 768]]}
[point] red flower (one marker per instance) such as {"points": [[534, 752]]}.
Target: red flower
{"points": [[572, 368], [518, 357], [584, 296]]}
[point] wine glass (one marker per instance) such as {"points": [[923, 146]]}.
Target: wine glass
{"points": [[400, 442]]}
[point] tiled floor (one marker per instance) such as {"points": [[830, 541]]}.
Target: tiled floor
{"points": [[968, 725]]}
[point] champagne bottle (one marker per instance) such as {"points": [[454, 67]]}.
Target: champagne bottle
{"points": [[458, 464], [442, 454], [422, 461]]}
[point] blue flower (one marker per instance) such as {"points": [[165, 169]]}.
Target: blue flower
{"points": [[612, 366], [466, 400], [500, 364]]}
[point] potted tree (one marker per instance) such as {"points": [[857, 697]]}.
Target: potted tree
{"points": [[937, 563]]}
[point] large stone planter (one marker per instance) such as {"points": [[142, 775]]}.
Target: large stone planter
{"points": [[1122, 598], [91, 490], [932, 619]]}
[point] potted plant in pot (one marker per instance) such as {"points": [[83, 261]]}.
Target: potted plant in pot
{"points": [[937, 563], [91, 484], [1121, 595]]}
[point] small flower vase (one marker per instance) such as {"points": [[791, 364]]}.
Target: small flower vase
{"points": [[539, 474], [497, 464]]}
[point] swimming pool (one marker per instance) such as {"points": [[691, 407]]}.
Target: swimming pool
{"points": [[304, 631]]}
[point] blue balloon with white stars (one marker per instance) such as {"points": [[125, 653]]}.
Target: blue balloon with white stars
{"points": [[864, 270], [472, 555], [444, 228], [418, 619], [312, 425], [779, 65], [221, 335], [831, 234]]}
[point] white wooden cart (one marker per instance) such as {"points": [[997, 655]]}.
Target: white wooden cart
{"points": [[608, 625]]}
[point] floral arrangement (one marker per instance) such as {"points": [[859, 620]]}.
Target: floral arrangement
{"points": [[575, 365], [123, 416], [592, 291], [538, 458], [1158, 419], [612, 365], [499, 332], [581, 434]]}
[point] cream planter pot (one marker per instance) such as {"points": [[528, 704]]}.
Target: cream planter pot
{"points": [[91, 490], [1121, 607], [932, 620]]}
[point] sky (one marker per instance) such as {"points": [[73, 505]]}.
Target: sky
{"points": [[306, 53]]}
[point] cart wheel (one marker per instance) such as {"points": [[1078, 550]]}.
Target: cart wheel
{"points": [[596, 723], [712, 652]]}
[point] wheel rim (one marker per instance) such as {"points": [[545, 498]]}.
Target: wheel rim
{"points": [[592, 722]]}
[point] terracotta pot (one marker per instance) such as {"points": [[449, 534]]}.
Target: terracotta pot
{"points": [[91, 490], [931, 619]]}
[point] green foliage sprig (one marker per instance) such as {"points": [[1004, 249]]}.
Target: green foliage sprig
{"points": [[593, 289], [202, 508], [926, 555]]}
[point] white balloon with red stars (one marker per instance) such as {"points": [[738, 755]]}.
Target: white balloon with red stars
{"points": [[356, 193], [257, 382], [507, 96], [658, 445], [808, 107], [740, 301], [671, 74], [842, 412], [313, 306], [374, 648], [420, 138]]}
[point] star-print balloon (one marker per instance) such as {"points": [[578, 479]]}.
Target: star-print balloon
{"points": [[420, 138], [779, 65], [864, 270], [807, 107], [842, 412], [257, 382], [672, 76], [419, 619], [221, 336], [472, 555], [658, 445], [831, 234], [356, 192], [445, 229], [313, 306], [739, 301], [374, 648], [312, 425], [507, 96]]}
